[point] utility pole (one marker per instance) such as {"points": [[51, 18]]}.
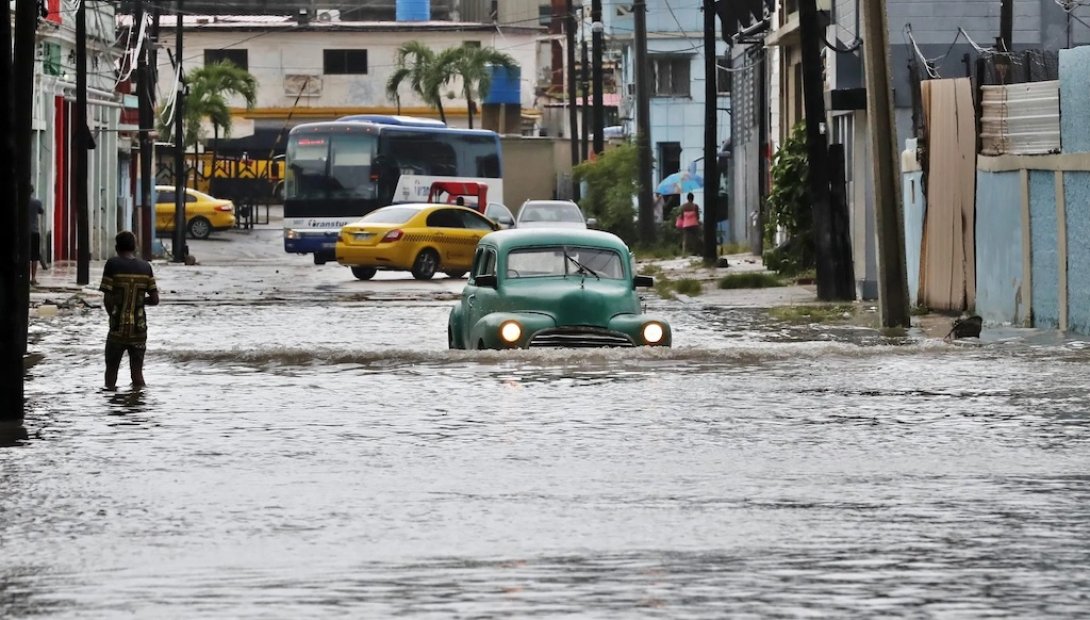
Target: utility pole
{"points": [[145, 108], [25, 33], [1006, 25], [585, 79], [835, 280], [711, 137], [643, 125], [569, 57], [596, 28], [18, 91], [889, 217], [79, 172], [179, 147]]}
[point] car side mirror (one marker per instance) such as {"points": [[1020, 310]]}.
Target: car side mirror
{"points": [[488, 280], [643, 281]]}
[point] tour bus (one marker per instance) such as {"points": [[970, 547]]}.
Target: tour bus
{"points": [[338, 171]]}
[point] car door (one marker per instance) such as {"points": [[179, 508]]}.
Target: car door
{"points": [[475, 227], [446, 232], [164, 210], [478, 301]]}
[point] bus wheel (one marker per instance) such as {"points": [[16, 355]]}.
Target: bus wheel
{"points": [[425, 265], [364, 273]]}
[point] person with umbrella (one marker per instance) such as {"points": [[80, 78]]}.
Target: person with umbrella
{"points": [[688, 222]]}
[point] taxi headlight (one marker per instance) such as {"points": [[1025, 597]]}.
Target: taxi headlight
{"points": [[653, 333], [510, 332], [290, 233]]}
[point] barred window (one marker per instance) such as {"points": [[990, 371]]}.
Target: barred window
{"points": [[240, 58], [345, 62], [671, 75]]}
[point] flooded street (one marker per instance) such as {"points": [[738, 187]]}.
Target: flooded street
{"points": [[309, 447]]}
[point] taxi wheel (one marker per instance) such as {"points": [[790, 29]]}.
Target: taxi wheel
{"points": [[200, 228], [364, 273], [454, 275], [425, 265]]}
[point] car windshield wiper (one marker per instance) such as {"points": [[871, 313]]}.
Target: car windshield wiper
{"points": [[583, 269]]}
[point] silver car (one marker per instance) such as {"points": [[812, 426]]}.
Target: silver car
{"points": [[551, 214]]}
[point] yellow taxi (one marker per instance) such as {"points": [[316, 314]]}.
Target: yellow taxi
{"points": [[420, 238], [203, 213]]}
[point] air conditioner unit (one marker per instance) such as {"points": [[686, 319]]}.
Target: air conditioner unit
{"points": [[329, 15]]}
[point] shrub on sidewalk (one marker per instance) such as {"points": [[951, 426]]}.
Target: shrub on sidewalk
{"points": [[788, 208], [752, 279]]}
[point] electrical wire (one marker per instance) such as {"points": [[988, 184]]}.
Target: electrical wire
{"points": [[927, 64], [854, 45]]}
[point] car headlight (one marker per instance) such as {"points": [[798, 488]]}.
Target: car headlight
{"points": [[510, 332], [653, 333], [290, 233]]}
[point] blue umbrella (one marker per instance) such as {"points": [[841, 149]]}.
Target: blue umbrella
{"points": [[680, 183]]}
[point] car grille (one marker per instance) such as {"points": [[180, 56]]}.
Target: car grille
{"points": [[580, 337]]}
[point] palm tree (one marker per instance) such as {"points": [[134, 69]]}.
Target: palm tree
{"points": [[418, 63], [209, 89], [474, 65]]}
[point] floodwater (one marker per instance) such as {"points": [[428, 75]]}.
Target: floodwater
{"points": [[318, 452]]}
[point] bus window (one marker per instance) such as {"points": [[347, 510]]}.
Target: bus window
{"points": [[350, 166], [421, 154], [480, 156]]}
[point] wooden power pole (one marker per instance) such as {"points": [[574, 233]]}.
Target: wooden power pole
{"points": [[711, 137], [82, 142], [889, 218], [835, 280], [643, 125]]}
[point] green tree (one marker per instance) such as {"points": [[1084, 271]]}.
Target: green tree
{"points": [[611, 184], [419, 64], [788, 207], [474, 65], [210, 87]]}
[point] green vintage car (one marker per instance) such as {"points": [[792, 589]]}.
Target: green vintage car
{"points": [[553, 287]]}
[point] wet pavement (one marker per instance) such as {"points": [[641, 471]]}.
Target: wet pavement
{"points": [[308, 447]]}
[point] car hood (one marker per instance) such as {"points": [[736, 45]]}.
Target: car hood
{"points": [[572, 300]]}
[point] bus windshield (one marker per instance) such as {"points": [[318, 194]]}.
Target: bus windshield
{"points": [[324, 166]]}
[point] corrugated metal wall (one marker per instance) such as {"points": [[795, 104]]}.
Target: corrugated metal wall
{"points": [[1020, 119]]}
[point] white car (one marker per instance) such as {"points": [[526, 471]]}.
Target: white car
{"points": [[550, 214], [500, 214]]}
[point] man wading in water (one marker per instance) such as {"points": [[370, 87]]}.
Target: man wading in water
{"points": [[129, 285]]}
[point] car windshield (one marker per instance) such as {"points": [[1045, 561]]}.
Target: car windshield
{"points": [[550, 212], [390, 215], [563, 261]]}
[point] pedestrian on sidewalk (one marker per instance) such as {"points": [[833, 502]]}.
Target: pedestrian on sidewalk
{"points": [[36, 212], [128, 285], [688, 222]]}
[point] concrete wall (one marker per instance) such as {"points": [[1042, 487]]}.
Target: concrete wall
{"points": [[531, 167], [1044, 257], [1077, 224], [274, 55], [999, 248], [1033, 262]]}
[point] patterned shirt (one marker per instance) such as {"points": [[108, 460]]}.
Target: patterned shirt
{"points": [[126, 281]]}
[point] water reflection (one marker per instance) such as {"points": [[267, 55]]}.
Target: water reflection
{"points": [[125, 402], [332, 459]]}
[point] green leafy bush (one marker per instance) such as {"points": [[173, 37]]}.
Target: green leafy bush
{"points": [[611, 184], [788, 207]]}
